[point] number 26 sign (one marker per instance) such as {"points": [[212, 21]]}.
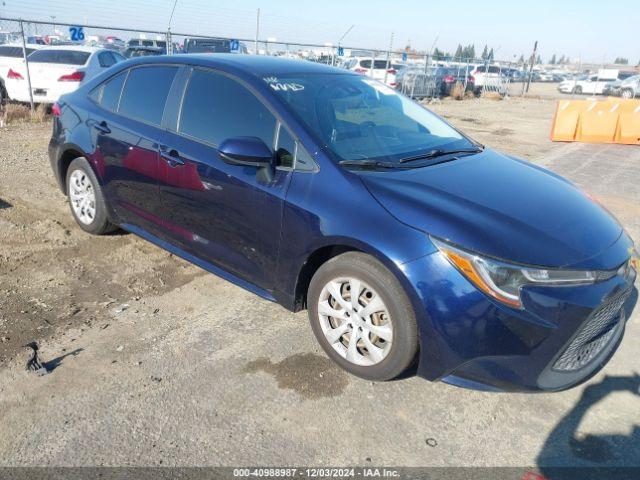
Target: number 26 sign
{"points": [[76, 34]]}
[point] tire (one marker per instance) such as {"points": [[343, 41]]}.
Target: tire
{"points": [[626, 93], [3, 95], [387, 340], [577, 90], [86, 199]]}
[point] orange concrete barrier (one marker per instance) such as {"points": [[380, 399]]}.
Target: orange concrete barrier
{"points": [[629, 123], [613, 120]]}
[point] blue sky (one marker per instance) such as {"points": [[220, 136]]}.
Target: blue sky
{"points": [[590, 30]]}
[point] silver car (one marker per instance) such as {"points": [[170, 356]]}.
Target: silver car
{"points": [[629, 88]]}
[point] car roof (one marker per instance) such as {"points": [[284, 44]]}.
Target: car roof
{"points": [[250, 65]]}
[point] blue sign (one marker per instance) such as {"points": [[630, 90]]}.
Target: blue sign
{"points": [[404, 56], [340, 52], [76, 34], [234, 45]]}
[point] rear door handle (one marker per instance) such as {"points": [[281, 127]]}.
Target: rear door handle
{"points": [[171, 156], [102, 127]]}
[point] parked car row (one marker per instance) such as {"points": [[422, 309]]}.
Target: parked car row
{"points": [[607, 82]]}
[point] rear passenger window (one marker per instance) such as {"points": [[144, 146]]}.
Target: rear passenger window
{"points": [[145, 93], [111, 92], [216, 107], [106, 59]]}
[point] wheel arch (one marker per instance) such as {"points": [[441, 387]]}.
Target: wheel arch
{"points": [[321, 254], [68, 153]]}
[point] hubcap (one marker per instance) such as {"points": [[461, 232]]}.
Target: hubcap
{"points": [[82, 197], [355, 321]]}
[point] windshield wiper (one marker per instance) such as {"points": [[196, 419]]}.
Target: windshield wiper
{"points": [[368, 164], [438, 153]]}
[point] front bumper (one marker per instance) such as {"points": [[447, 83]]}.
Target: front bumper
{"points": [[562, 337]]}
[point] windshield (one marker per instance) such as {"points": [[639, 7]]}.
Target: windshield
{"points": [[360, 118]]}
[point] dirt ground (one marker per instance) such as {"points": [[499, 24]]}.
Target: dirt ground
{"points": [[159, 363]]}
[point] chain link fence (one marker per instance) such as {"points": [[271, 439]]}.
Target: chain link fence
{"points": [[419, 75]]}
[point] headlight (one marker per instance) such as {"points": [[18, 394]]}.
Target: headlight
{"points": [[503, 281]]}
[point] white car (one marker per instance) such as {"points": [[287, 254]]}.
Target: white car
{"points": [[56, 71], [492, 77], [589, 84], [377, 69], [11, 57]]}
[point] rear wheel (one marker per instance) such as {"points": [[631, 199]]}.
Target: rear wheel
{"points": [[577, 90], [87, 202], [627, 93], [362, 317]]}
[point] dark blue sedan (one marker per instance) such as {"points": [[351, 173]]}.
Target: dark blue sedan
{"points": [[412, 247]]}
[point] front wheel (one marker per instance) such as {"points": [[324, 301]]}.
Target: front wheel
{"points": [[627, 94], [362, 317], [577, 90], [87, 202]]}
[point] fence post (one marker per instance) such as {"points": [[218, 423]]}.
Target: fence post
{"points": [[26, 64], [169, 42]]}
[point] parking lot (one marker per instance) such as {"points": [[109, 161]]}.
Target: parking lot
{"points": [[159, 363]]}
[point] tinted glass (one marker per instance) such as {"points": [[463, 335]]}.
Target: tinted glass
{"points": [[106, 59], [380, 64], [365, 63], [111, 92], [286, 150], [359, 118], [13, 52], [67, 57], [145, 93], [216, 108], [118, 57], [147, 43]]}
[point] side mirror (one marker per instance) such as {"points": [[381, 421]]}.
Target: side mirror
{"points": [[246, 151]]}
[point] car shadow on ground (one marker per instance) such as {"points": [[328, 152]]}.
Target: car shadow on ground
{"points": [[4, 204], [569, 453]]}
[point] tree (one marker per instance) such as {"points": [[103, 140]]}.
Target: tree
{"points": [[553, 60], [485, 53], [521, 60], [621, 61], [458, 52], [562, 60], [539, 60], [490, 56]]}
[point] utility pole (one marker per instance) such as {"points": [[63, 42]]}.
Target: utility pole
{"points": [[169, 49], [531, 62], [257, 31]]}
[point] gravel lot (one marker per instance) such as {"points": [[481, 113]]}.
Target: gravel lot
{"points": [[160, 363]]}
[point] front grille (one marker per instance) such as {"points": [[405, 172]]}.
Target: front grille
{"points": [[596, 333]]}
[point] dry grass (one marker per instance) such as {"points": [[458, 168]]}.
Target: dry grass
{"points": [[16, 113], [492, 95], [457, 92]]}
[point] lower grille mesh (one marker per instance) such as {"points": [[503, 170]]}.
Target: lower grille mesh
{"points": [[595, 334]]}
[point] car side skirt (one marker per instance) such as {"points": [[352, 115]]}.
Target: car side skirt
{"points": [[209, 267]]}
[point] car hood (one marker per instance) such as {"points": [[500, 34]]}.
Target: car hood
{"points": [[501, 207]]}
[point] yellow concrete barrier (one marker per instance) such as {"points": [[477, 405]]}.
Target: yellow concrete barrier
{"points": [[612, 120]]}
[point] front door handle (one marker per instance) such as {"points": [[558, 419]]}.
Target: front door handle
{"points": [[171, 156], [102, 127]]}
